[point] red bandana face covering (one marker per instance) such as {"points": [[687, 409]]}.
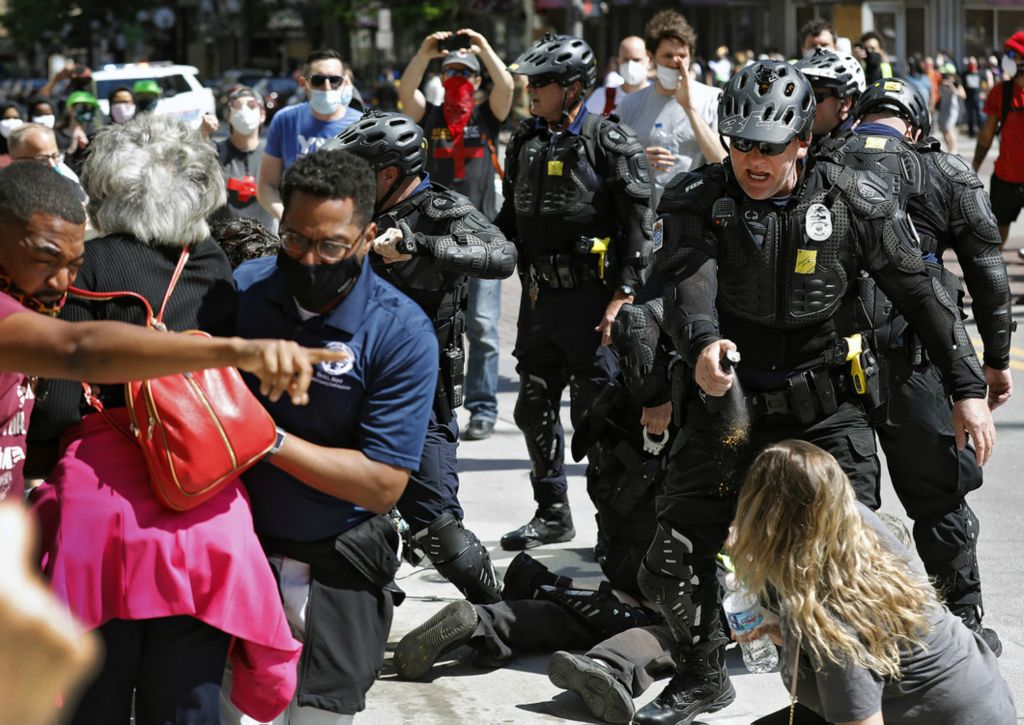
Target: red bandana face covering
{"points": [[8, 287], [458, 104]]}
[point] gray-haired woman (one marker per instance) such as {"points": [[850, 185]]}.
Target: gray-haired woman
{"points": [[168, 591]]}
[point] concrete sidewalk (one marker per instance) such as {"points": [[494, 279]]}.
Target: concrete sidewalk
{"points": [[496, 495]]}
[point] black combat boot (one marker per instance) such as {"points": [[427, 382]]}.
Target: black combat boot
{"points": [[970, 614], [549, 525], [702, 686], [605, 697], [525, 575]]}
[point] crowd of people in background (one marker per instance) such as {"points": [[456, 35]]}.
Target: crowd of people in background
{"points": [[371, 229]]}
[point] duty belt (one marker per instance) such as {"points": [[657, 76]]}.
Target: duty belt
{"points": [[588, 261]]}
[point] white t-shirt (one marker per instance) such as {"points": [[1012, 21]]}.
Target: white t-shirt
{"points": [[641, 110], [596, 102]]}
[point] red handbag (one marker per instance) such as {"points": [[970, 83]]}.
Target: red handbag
{"points": [[197, 430]]}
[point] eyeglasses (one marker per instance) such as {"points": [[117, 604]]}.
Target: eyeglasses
{"points": [[49, 159], [767, 149], [464, 72], [328, 249], [541, 81], [239, 103], [318, 80], [822, 96]]}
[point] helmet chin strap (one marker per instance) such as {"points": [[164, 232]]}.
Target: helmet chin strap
{"points": [[567, 107], [382, 203]]}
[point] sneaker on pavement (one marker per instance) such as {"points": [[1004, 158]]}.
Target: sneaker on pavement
{"points": [[478, 429], [971, 618], [605, 697], [417, 651]]}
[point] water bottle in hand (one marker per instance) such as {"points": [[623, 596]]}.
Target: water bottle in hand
{"points": [[664, 138], [744, 614]]}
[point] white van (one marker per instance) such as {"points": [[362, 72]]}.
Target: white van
{"points": [[184, 96]]}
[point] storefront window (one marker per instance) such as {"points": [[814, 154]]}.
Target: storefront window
{"points": [[1010, 21], [979, 32]]}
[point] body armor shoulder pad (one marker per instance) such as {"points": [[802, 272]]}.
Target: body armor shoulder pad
{"points": [[955, 169], [928, 143], [694, 191], [868, 194], [442, 203], [617, 139], [829, 145], [885, 156]]}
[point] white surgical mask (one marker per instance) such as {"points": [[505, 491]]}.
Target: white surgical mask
{"points": [[668, 77], [245, 120], [8, 125], [122, 112], [1009, 66], [633, 72], [325, 102], [49, 120]]}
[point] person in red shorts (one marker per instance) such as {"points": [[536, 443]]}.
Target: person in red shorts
{"points": [[1007, 189]]}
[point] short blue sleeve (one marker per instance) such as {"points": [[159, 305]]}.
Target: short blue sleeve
{"points": [[274, 135], [399, 397]]}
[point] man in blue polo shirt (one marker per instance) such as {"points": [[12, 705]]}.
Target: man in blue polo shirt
{"points": [[343, 461], [298, 130]]}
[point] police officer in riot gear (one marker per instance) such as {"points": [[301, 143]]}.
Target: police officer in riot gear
{"points": [[761, 254], [431, 240], [837, 80], [577, 201], [950, 210]]}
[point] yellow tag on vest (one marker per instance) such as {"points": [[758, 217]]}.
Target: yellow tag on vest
{"points": [[554, 168], [874, 142], [806, 261]]}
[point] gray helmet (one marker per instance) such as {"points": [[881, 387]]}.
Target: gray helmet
{"points": [[898, 96], [384, 139], [836, 71], [767, 102], [565, 58]]}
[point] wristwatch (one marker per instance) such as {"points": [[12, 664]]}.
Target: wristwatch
{"points": [[626, 290], [278, 442]]}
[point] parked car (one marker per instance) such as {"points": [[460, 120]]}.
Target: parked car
{"points": [[184, 97], [278, 93]]}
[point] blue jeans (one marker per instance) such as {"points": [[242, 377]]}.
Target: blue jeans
{"points": [[482, 338]]}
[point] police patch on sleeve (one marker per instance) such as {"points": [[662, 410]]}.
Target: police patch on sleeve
{"points": [[659, 234], [818, 222]]}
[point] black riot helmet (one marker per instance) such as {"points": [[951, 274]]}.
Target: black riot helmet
{"points": [[384, 139], [562, 58], [896, 96], [767, 102]]}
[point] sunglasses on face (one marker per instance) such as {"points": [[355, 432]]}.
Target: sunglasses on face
{"points": [[766, 149], [540, 81], [318, 80], [464, 72], [822, 96]]}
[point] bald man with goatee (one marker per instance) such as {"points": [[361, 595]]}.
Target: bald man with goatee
{"points": [[633, 67]]}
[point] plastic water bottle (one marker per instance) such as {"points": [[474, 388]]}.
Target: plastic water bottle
{"points": [[661, 136], [744, 614]]}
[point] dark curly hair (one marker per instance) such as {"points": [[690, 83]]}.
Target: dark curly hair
{"points": [[333, 174], [28, 187], [669, 25]]}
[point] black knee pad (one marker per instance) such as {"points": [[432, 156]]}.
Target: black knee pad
{"points": [[533, 409], [459, 557]]}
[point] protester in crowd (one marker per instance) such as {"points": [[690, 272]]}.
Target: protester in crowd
{"points": [[35, 142], [918, 77], [861, 629], [71, 78], [972, 99], [462, 155], [721, 67], [816, 33], [633, 65], [876, 62], [190, 587], [76, 126], [1004, 116], [674, 117], [10, 119], [121, 103], [240, 155], [147, 94], [40, 111], [320, 498], [949, 112], [298, 130]]}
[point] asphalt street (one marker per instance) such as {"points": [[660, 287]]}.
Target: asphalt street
{"points": [[495, 493]]}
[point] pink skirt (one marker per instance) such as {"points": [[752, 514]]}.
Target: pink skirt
{"points": [[118, 554]]}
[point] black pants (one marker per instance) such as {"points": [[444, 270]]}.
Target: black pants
{"points": [[802, 715], [173, 665], [433, 488], [556, 346], [507, 629], [931, 478]]}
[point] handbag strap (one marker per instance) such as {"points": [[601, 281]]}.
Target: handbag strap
{"points": [[182, 261], [792, 684]]}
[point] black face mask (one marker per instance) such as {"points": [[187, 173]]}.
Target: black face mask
{"points": [[145, 105], [319, 287], [85, 116]]}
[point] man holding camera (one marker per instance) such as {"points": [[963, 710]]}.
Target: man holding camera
{"points": [[463, 156]]}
